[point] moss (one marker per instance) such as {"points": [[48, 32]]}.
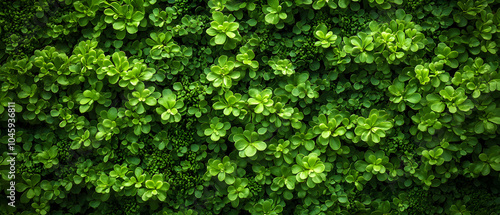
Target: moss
{"points": [[65, 153], [419, 201], [414, 5], [255, 189], [23, 30], [130, 205], [27, 165], [481, 196]]}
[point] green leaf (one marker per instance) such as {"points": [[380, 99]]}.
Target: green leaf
{"points": [[260, 145], [495, 166], [212, 31], [250, 151], [221, 176], [344, 3], [495, 120], [220, 38], [272, 18], [335, 143], [240, 144], [94, 204], [309, 145], [119, 25], [150, 101], [232, 196], [107, 11], [360, 166], [375, 138], [259, 108], [150, 184], [112, 113], [438, 107], [218, 17], [273, 3], [219, 106], [414, 98], [132, 29], [138, 16], [232, 26], [342, 199], [356, 41]]}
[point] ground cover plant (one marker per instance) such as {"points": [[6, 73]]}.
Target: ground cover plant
{"points": [[251, 107]]}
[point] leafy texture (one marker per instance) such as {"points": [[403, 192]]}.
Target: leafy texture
{"points": [[250, 107]]}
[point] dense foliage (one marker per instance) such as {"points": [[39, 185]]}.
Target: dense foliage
{"points": [[252, 107]]}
